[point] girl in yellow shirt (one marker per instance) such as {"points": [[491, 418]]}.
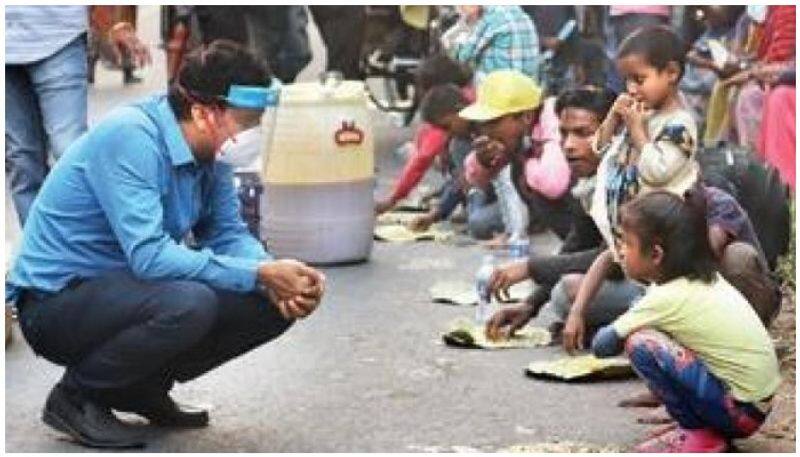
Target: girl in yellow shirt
{"points": [[693, 338]]}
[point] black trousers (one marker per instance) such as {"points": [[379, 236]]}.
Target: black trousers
{"points": [[342, 31], [122, 338]]}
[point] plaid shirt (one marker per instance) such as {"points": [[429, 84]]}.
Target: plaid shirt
{"points": [[503, 38]]}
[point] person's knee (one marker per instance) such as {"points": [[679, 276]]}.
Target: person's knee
{"points": [[745, 269], [642, 343], [560, 302], [190, 305], [572, 284], [739, 259]]}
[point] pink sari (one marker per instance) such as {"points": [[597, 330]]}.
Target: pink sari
{"points": [[778, 132]]}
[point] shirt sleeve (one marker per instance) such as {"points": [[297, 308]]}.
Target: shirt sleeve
{"points": [[476, 174], [653, 309], [128, 182], [473, 47], [667, 155], [429, 142], [222, 229]]}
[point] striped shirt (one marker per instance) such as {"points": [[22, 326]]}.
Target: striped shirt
{"points": [[503, 38], [34, 33]]}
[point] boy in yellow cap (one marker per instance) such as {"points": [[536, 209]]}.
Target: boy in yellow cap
{"points": [[507, 104], [505, 108]]}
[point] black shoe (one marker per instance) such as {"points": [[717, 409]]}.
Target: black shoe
{"points": [[164, 412], [88, 423]]}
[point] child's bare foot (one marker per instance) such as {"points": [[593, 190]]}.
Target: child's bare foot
{"points": [[658, 431], [641, 400], [659, 416]]}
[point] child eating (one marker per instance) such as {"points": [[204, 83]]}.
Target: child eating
{"points": [[692, 337]]}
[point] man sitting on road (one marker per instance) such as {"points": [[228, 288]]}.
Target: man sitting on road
{"points": [[136, 270]]}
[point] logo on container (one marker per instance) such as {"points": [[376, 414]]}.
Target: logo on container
{"points": [[348, 134]]}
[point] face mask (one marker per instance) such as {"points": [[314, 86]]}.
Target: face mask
{"points": [[243, 149], [757, 13]]}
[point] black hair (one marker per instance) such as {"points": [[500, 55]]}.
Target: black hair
{"points": [[598, 101], [659, 46], [208, 73], [440, 101], [679, 226], [440, 69]]}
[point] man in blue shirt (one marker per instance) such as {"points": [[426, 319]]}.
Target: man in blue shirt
{"points": [[136, 270]]}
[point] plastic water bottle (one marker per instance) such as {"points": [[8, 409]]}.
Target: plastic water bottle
{"points": [[483, 311], [519, 248]]}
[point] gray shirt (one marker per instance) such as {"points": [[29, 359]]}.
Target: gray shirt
{"points": [[34, 33]]}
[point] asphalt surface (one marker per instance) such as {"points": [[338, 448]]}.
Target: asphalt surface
{"points": [[367, 372]]}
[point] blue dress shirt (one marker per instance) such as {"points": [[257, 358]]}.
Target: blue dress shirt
{"points": [[126, 195]]}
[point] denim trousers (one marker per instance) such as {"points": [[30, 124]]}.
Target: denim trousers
{"points": [[119, 336], [484, 218], [46, 110]]}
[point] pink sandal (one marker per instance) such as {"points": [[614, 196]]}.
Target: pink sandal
{"points": [[685, 441]]}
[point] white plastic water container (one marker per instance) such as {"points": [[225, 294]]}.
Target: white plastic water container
{"points": [[319, 174]]}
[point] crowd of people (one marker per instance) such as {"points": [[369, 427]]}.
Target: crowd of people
{"points": [[656, 250], [136, 270]]}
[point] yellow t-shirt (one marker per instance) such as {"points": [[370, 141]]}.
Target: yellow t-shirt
{"points": [[717, 323]]}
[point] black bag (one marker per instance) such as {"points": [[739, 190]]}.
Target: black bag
{"points": [[758, 189]]}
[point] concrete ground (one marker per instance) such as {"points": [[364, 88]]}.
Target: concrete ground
{"points": [[367, 372]]}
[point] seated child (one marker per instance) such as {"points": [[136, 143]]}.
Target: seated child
{"points": [[440, 108], [429, 141], [648, 141], [692, 337]]}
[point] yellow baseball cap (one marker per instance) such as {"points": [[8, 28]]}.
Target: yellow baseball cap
{"points": [[416, 16], [503, 92]]}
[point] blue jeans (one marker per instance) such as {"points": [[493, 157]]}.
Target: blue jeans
{"points": [[122, 337], [45, 111], [484, 219]]}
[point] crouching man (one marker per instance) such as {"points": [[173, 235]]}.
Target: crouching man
{"points": [[136, 270]]}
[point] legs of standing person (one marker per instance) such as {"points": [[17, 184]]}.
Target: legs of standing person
{"points": [[46, 104], [116, 333], [746, 270], [342, 29], [278, 35], [222, 22], [26, 149], [294, 49], [61, 86], [778, 132], [692, 395]]}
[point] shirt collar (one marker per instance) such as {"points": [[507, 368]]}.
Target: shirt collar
{"points": [[177, 147]]}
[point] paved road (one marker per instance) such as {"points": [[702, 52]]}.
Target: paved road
{"points": [[366, 373]]}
